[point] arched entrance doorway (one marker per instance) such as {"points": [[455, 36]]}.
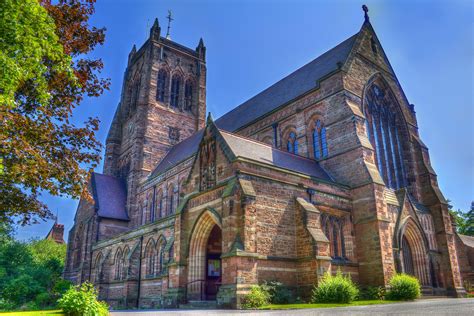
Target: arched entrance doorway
{"points": [[414, 253], [213, 263], [205, 249], [407, 257]]}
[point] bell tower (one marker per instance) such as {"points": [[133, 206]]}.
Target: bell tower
{"points": [[163, 101]]}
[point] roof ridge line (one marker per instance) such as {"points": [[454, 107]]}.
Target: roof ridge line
{"points": [[267, 145], [291, 73]]}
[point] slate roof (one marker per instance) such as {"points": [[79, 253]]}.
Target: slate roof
{"points": [[294, 85], [263, 153], [179, 152], [110, 196]]}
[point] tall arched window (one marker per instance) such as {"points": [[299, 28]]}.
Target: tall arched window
{"points": [[160, 249], [176, 84], [150, 208], [383, 119], [118, 264], [159, 204], [161, 85], [292, 143], [188, 95], [320, 146], [171, 199], [98, 268], [150, 258], [125, 264], [334, 229]]}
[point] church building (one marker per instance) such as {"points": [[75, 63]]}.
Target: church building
{"points": [[322, 171]]}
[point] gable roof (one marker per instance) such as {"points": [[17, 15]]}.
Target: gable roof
{"points": [[292, 86], [266, 154], [110, 196], [179, 152]]}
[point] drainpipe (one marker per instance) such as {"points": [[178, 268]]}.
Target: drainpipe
{"points": [[139, 272]]}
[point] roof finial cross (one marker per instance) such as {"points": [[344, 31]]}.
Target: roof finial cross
{"points": [[170, 18], [365, 9]]}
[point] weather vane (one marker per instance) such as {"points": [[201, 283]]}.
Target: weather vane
{"points": [[170, 18], [365, 9]]}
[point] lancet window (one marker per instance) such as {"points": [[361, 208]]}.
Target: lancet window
{"points": [[320, 145], [383, 130], [161, 85]]}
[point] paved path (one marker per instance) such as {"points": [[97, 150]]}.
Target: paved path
{"points": [[444, 306]]}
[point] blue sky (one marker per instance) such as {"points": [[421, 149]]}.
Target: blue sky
{"points": [[253, 44]]}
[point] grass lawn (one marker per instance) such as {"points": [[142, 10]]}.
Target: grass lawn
{"points": [[304, 305], [34, 313]]}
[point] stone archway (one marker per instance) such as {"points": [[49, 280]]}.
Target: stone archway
{"points": [[208, 225], [414, 255]]}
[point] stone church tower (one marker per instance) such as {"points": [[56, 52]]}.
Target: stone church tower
{"points": [[163, 101]]}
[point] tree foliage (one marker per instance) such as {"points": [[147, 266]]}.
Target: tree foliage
{"points": [[30, 273], [464, 220], [45, 74]]}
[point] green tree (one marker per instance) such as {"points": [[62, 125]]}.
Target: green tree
{"points": [[30, 273], [44, 75], [6, 232], [464, 220], [44, 250]]}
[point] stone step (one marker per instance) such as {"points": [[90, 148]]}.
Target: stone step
{"points": [[199, 305]]}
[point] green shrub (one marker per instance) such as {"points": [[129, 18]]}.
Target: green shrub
{"points": [[256, 298], [372, 293], [403, 287], [43, 300], [82, 301], [6, 305], [335, 289], [278, 293], [61, 286]]}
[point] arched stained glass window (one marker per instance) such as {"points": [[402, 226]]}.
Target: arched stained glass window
{"points": [[320, 145], [334, 230], [118, 264], [324, 144], [383, 133], [160, 249], [150, 258], [158, 204], [175, 91], [316, 144], [161, 85]]}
